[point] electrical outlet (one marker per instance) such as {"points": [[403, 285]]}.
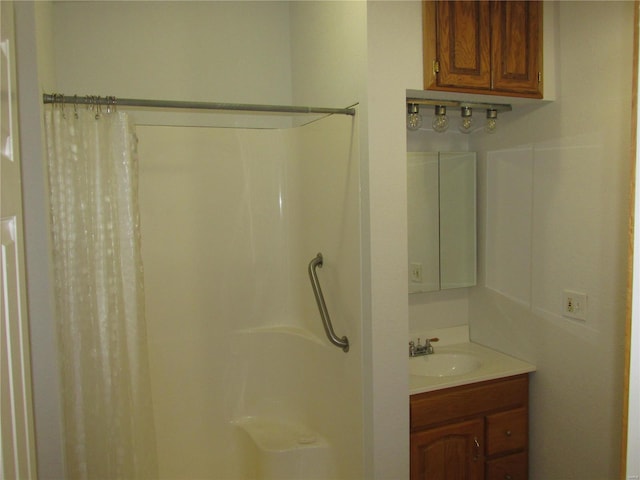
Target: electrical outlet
{"points": [[574, 305], [415, 271]]}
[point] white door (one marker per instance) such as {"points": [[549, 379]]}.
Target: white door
{"points": [[17, 445]]}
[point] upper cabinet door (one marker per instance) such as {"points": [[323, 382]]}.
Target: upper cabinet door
{"points": [[516, 46], [463, 44], [491, 47]]}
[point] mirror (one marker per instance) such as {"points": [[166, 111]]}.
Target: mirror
{"points": [[441, 202]]}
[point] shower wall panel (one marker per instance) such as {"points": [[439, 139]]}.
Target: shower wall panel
{"points": [[328, 221], [230, 220]]}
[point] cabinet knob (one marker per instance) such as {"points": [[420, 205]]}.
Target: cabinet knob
{"points": [[507, 477], [508, 433]]}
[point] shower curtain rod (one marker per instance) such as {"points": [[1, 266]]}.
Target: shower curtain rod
{"points": [[136, 102]]}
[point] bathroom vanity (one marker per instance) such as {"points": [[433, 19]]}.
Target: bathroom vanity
{"points": [[475, 429], [469, 409]]}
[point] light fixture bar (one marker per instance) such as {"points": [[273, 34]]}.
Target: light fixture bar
{"points": [[498, 107]]}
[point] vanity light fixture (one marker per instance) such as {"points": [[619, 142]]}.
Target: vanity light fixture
{"points": [[440, 120], [492, 116], [466, 122], [414, 119]]}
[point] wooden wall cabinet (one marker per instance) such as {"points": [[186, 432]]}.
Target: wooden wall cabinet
{"points": [[472, 432], [488, 47]]}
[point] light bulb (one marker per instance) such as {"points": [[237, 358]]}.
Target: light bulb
{"points": [[414, 119], [440, 120], [492, 116], [467, 121]]}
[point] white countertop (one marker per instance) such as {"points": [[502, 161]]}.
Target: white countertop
{"points": [[493, 365]]}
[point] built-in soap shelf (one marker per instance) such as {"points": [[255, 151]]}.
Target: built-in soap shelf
{"points": [[272, 435], [287, 450]]}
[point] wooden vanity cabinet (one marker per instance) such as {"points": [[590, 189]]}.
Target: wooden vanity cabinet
{"points": [[472, 432], [489, 47]]}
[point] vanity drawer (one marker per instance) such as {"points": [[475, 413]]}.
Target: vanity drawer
{"points": [[441, 406], [511, 467], [507, 431]]}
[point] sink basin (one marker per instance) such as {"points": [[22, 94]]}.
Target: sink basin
{"points": [[443, 364]]}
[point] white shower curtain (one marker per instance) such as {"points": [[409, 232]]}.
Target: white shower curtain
{"points": [[92, 164]]}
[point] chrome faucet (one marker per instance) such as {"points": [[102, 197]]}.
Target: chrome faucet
{"points": [[417, 350]]}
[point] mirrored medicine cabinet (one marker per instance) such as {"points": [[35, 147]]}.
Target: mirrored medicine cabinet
{"points": [[441, 202]]}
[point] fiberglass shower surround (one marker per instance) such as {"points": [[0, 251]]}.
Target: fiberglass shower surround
{"points": [[245, 383]]}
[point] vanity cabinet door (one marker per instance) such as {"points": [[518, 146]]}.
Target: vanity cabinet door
{"points": [[450, 452]]}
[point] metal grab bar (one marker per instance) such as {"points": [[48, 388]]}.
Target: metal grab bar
{"points": [[343, 342]]}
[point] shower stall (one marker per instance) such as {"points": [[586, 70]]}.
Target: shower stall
{"points": [[235, 224], [245, 383], [234, 207]]}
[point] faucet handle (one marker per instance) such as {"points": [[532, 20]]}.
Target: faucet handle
{"points": [[412, 348], [428, 345]]}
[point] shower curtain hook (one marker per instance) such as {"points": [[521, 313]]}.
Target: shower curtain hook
{"points": [[111, 104], [98, 107], [59, 99]]}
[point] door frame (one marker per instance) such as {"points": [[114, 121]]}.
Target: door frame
{"points": [[630, 445]]}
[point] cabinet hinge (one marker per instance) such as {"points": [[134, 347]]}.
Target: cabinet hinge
{"points": [[436, 67], [539, 77]]}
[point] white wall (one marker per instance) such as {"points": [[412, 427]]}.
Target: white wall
{"points": [[328, 52], [554, 185], [394, 64], [229, 52], [234, 51]]}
